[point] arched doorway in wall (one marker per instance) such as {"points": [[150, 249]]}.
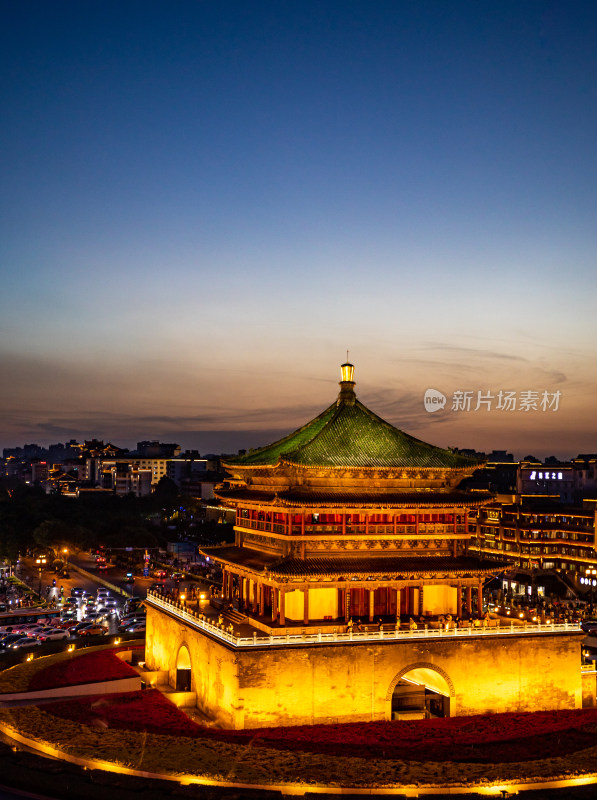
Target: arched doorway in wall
{"points": [[183, 670], [420, 691]]}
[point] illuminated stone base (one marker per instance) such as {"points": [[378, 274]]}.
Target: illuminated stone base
{"points": [[360, 681]]}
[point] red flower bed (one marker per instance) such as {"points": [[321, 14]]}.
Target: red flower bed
{"points": [[490, 738], [102, 665], [146, 711], [484, 738]]}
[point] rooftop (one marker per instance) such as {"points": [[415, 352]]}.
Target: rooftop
{"points": [[348, 434]]}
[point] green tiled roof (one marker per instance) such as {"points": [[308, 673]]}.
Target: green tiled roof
{"points": [[350, 435]]}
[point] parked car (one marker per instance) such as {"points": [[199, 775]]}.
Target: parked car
{"points": [[23, 642], [92, 630], [125, 624], [8, 639], [136, 627], [34, 632], [53, 635], [68, 624]]}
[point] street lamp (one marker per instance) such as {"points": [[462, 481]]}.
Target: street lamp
{"points": [[40, 561], [65, 551]]}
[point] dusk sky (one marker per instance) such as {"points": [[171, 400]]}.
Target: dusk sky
{"points": [[205, 204]]}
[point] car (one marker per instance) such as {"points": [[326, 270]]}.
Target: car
{"points": [[9, 639], [106, 611], [130, 578], [103, 591], [23, 642], [34, 632], [68, 624], [131, 607], [71, 601], [138, 614], [125, 624], [77, 591], [25, 627], [178, 576], [161, 573], [53, 635], [157, 587], [110, 601], [589, 625], [136, 627], [92, 630]]}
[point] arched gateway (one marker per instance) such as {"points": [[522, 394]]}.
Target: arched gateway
{"points": [[420, 690], [183, 670]]}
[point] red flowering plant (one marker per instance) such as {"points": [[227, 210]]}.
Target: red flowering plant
{"points": [[103, 665], [145, 710], [487, 738], [484, 738]]}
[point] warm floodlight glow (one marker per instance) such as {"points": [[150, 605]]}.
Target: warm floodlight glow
{"points": [[347, 371]]}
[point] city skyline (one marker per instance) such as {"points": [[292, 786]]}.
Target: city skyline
{"points": [[204, 206]]}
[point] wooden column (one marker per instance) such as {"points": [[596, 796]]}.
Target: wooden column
{"points": [[421, 607], [344, 599], [469, 600], [459, 600], [344, 522], [416, 523], [261, 599], [254, 588], [303, 532], [275, 595], [398, 604], [480, 599], [371, 604], [306, 605], [282, 607]]}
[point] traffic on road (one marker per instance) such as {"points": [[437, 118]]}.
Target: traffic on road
{"points": [[87, 599]]}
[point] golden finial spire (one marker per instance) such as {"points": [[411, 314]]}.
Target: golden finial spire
{"points": [[347, 394]]}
